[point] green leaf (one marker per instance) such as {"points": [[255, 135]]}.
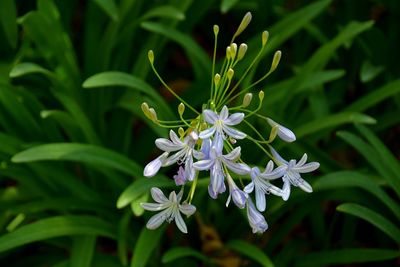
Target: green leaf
{"points": [[346, 256], [82, 251], [26, 68], [375, 97], [115, 78], [148, 240], [373, 158], [94, 155], [182, 252], [194, 51], [56, 227], [250, 251], [368, 71], [226, 5], [141, 186], [332, 121], [340, 179], [8, 21], [109, 7], [164, 12], [372, 217]]}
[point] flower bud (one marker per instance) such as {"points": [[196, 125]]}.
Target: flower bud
{"points": [[228, 52], [247, 99], [233, 50], [181, 108], [217, 78], [181, 132], [153, 114], [275, 61], [150, 55], [216, 29], [230, 73], [264, 38], [243, 25], [242, 51], [261, 95]]}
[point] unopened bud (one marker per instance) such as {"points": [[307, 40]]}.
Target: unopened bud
{"points": [[216, 29], [150, 55], [232, 140], [275, 61], [261, 95], [228, 52], [217, 78], [145, 110], [230, 73], [264, 37], [181, 132], [243, 25], [247, 99], [181, 108], [242, 51], [153, 114], [233, 50]]}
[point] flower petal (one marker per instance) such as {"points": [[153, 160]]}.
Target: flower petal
{"points": [[223, 115], [180, 222], [153, 206], [234, 119], [233, 155], [187, 209], [210, 116], [166, 145], [174, 137], [277, 173], [249, 188], [309, 167], [207, 133], [260, 200], [203, 165], [278, 157], [174, 158], [286, 190], [156, 220], [158, 195], [305, 186], [238, 168], [233, 132]]}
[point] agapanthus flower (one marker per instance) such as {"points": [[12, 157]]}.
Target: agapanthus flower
{"points": [[256, 219], [170, 209], [216, 162], [260, 184], [284, 133], [292, 173], [184, 152], [154, 166], [221, 124]]}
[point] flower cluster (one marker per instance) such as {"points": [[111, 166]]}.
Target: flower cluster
{"points": [[207, 146]]}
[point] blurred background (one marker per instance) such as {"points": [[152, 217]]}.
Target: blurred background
{"points": [[73, 139]]}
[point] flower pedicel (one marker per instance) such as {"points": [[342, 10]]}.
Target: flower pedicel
{"points": [[207, 144]]}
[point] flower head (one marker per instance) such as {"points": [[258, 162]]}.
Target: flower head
{"points": [[292, 173], [221, 124], [260, 184], [170, 209]]}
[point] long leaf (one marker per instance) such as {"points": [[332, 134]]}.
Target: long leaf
{"points": [[182, 252], [56, 227], [82, 251], [250, 251], [346, 256], [372, 217], [8, 15], [94, 155], [147, 242]]}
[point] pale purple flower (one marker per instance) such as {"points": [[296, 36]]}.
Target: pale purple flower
{"points": [[169, 209], [292, 173], [184, 152], [260, 184], [221, 124], [284, 133], [154, 166], [216, 162], [238, 196], [256, 219]]}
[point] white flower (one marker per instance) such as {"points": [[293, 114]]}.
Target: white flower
{"points": [[292, 173], [221, 124], [262, 186], [216, 162], [170, 209], [284, 133], [256, 219]]}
